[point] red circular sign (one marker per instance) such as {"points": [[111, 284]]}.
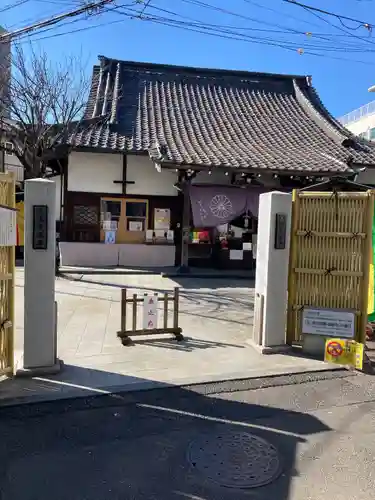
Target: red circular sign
{"points": [[335, 349]]}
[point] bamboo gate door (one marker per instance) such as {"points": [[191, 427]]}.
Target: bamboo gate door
{"points": [[7, 281], [330, 256]]}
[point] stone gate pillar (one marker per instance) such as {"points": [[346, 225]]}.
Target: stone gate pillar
{"points": [[272, 263], [40, 332]]}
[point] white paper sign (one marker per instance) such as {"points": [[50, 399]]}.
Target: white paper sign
{"points": [[328, 322], [235, 254], [109, 225], [135, 225], [162, 218], [150, 312], [8, 227]]}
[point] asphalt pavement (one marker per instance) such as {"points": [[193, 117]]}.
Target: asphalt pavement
{"points": [[307, 436]]}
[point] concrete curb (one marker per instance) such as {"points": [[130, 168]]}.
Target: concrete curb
{"points": [[273, 379], [156, 272], [208, 276]]}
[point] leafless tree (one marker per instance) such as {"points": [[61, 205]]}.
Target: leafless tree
{"points": [[43, 106]]}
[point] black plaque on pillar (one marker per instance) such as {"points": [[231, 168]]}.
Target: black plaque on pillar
{"points": [[280, 231], [40, 227]]}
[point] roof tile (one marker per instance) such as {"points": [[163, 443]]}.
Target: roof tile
{"points": [[217, 117]]}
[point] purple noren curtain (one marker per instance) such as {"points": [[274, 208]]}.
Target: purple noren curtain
{"points": [[215, 205]]}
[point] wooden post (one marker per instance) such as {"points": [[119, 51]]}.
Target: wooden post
{"points": [[134, 322], [185, 229], [123, 310], [291, 326], [176, 300], [125, 339], [11, 284], [165, 319]]}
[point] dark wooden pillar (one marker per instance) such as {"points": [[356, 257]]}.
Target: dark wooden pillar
{"points": [[185, 227]]}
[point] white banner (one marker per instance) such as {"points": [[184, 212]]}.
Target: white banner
{"points": [[150, 312], [8, 227]]}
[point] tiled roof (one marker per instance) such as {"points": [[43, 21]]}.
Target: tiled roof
{"points": [[206, 117]]}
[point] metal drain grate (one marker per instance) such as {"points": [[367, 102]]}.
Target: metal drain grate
{"points": [[235, 459]]}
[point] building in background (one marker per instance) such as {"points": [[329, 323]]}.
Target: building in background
{"points": [[361, 121], [172, 170], [5, 71], [9, 161]]}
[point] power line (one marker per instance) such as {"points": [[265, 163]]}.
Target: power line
{"points": [[245, 17], [224, 29], [271, 9], [147, 3], [13, 5], [89, 7], [285, 30], [312, 12], [365, 24], [235, 36], [218, 31], [27, 36]]}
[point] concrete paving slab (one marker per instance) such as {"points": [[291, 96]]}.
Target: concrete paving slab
{"points": [[216, 318]]}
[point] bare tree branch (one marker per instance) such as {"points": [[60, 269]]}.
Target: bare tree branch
{"points": [[43, 105]]}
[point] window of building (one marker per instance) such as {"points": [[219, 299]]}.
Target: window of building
{"points": [[128, 218], [136, 215], [110, 210], [9, 148], [85, 215], [85, 223], [372, 134]]}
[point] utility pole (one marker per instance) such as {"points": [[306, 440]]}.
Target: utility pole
{"points": [[90, 6]]}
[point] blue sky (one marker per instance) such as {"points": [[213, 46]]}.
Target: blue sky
{"points": [[342, 70]]}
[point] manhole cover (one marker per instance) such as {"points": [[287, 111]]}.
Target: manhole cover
{"points": [[235, 460]]}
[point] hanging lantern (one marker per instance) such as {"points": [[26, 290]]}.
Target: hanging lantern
{"points": [[246, 221]]}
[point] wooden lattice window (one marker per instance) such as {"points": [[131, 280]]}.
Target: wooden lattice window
{"points": [[85, 215], [85, 221]]}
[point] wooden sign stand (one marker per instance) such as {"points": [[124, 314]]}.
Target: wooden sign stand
{"points": [[125, 335]]}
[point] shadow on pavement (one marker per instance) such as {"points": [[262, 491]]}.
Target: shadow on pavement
{"points": [[193, 295], [187, 283], [160, 444], [189, 344]]}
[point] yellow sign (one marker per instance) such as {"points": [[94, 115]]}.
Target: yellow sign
{"points": [[344, 352]]}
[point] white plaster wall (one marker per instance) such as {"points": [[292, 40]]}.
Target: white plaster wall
{"points": [[12, 164], [57, 180], [133, 255], [147, 180], [95, 172]]}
